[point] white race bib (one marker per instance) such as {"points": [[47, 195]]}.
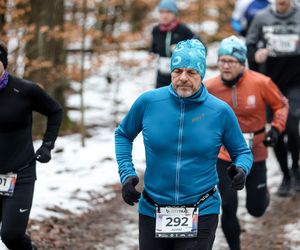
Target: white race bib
{"points": [[7, 184], [284, 43], [249, 139], [176, 222], [164, 65]]}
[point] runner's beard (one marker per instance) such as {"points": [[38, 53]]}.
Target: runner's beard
{"points": [[184, 91]]}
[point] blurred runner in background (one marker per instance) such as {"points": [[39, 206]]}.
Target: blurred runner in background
{"points": [[165, 36], [273, 40], [244, 12], [248, 93]]}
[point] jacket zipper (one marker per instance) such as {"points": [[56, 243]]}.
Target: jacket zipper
{"points": [[168, 43], [234, 96], [179, 147]]}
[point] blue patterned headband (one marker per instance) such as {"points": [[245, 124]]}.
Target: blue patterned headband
{"points": [[189, 54], [235, 47]]}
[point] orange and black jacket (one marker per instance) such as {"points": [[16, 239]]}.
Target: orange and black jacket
{"points": [[249, 98]]}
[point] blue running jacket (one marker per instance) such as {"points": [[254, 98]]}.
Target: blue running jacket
{"points": [[182, 138]]}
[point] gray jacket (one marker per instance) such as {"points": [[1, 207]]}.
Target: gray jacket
{"points": [[280, 33]]}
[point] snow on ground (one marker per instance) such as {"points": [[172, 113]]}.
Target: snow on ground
{"points": [[292, 232], [72, 176], [75, 173]]}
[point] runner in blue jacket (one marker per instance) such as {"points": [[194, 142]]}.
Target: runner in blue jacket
{"points": [[244, 12], [183, 128]]}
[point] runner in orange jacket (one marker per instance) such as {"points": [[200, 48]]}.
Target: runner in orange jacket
{"points": [[248, 93]]}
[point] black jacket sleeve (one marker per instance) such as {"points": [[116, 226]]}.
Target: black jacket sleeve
{"points": [[46, 105]]}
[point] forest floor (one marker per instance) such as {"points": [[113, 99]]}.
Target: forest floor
{"points": [[114, 225]]}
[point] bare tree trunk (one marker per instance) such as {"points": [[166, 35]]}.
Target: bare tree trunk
{"points": [[45, 50], [2, 17], [83, 31]]}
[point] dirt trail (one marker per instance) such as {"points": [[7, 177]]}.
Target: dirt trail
{"points": [[113, 225], [268, 232], [100, 228]]}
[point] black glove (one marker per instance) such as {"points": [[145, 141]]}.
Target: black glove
{"points": [[129, 193], [238, 177], [43, 154], [271, 137]]}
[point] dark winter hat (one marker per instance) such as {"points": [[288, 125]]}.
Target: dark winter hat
{"points": [[169, 5], [189, 54], [3, 54], [233, 46]]}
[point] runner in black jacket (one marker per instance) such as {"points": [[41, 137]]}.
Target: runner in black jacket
{"points": [[18, 99], [165, 36]]}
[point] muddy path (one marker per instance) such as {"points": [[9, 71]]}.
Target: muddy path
{"points": [[113, 225], [108, 225], [269, 231]]}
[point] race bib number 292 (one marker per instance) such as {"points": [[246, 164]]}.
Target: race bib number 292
{"points": [[176, 222]]}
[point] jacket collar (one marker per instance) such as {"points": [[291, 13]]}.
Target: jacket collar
{"points": [[285, 15], [199, 97]]}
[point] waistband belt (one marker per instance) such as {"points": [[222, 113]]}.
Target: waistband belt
{"points": [[201, 199]]}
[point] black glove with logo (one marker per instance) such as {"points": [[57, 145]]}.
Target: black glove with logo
{"points": [[271, 137], [129, 193], [238, 177], [43, 154]]}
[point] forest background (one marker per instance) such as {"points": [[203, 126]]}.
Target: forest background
{"points": [[48, 41]]}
